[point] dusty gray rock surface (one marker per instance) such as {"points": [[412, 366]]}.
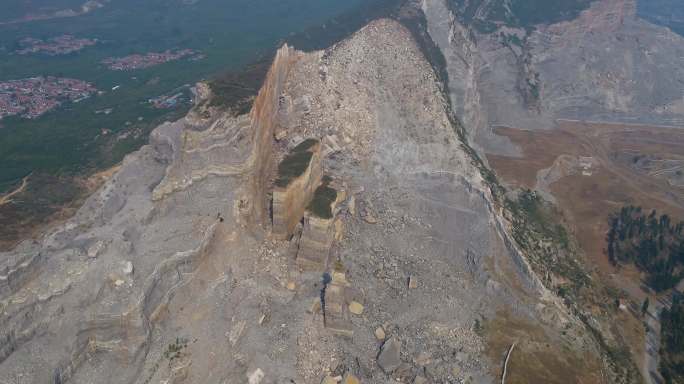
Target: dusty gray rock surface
{"points": [[389, 358], [210, 296], [606, 65]]}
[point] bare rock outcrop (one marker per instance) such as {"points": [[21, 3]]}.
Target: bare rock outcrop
{"points": [[210, 283], [321, 228], [315, 243], [299, 174], [605, 65], [336, 302]]}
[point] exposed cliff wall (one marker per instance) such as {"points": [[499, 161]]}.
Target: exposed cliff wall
{"points": [[462, 61], [336, 314], [594, 67], [264, 121], [315, 243], [290, 200], [469, 73], [95, 284], [128, 334], [229, 147], [317, 238]]}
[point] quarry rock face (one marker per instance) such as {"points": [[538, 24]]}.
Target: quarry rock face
{"points": [[315, 243], [336, 306], [319, 232], [605, 65], [294, 189], [215, 295]]}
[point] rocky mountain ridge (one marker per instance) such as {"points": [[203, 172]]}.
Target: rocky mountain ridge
{"points": [[170, 272], [181, 267], [606, 67]]}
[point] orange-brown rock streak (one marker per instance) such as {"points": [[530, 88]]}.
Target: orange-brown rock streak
{"points": [[263, 116], [290, 202]]}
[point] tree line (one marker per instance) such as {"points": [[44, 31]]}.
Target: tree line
{"points": [[655, 244], [672, 342]]}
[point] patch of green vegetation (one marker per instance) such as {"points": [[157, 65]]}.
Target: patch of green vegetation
{"points": [[544, 252], [534, 88], [672, 336], [322, 200], [527, 13], [295, 163], [510, 39], [292, 166], [70, 139], [175, 349], [539, 216], [487, 16], [668, 13], [39, 201], [236, 89], [305, 145], [654, 244], [478, 326], [343, 25], [538, 230]]}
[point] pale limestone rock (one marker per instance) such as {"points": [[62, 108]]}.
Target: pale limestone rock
{"points": [[256, 376], [331, 380], [291, 200], [412, 282], [423, 359], [356, 308], [236, 332], [280, 135], [370, 219], [380, 333], [95, 249], [127, 268], [315, 306]]}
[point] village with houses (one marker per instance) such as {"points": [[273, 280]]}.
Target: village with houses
{"points": [[33, 97], [151, 59], [60, 45]]}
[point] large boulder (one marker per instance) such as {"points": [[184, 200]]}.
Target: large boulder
{"points": [[389, 358]]}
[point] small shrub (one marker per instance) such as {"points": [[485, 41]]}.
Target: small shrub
{"points": [[175, 349]]}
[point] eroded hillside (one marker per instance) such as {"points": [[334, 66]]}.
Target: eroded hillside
{"points": [[584, 110], [171, 272]]}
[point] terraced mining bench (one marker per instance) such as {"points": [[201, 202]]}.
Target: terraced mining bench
{"points": [[338, 298], [320, 224], [299, 174]]}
